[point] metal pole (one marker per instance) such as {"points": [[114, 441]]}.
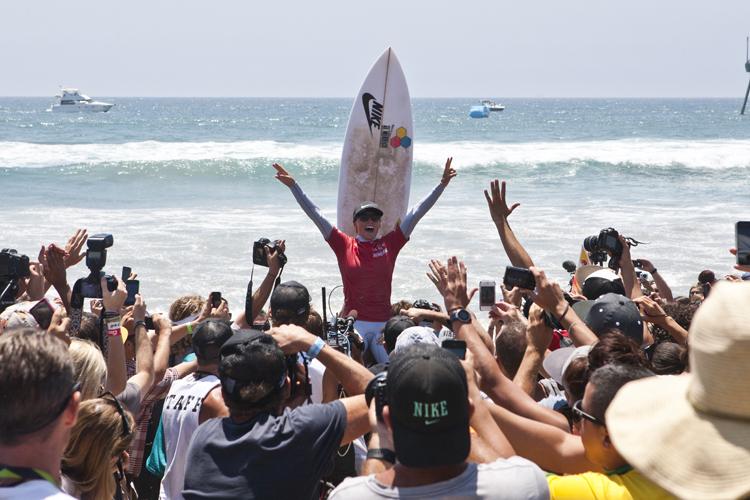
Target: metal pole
{"points": [[744, 104]]}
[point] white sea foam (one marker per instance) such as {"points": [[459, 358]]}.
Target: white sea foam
{"points": [[714, 154]]}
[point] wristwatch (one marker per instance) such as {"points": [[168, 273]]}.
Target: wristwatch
{"points": [[461, 315]]}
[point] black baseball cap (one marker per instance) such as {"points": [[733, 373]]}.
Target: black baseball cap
{"points": [[252, 368], [393, 328], [208, 338], [429, 406], [610, 311], [290, 296], [368, 206]]}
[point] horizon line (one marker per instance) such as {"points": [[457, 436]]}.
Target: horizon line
{"points": [[350, 97]]}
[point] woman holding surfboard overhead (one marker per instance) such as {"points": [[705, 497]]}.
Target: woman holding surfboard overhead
{"points": [[366, 262]]}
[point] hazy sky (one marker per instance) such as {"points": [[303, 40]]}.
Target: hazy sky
{"points": [[541, 48]]}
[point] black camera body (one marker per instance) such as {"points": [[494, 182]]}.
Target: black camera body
{"points": [[91, 286], [340, 335], [376, 389], [13, 267], [607, 242], [259, 252]]}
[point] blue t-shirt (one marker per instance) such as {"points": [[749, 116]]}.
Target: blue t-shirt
{"points": [[267, 457]]}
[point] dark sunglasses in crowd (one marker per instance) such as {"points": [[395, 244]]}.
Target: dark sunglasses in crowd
{"points": [[578, 412]]}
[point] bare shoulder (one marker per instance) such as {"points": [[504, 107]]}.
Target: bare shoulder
{"points": [[213, 405]]}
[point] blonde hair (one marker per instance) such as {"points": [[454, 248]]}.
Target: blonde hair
{"points": [[95, 439], [185, 306], [89, 367]]}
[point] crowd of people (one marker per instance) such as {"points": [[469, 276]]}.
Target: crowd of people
{"points": [[609, 386]]}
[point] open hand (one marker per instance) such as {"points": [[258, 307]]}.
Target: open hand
{"points": [[497, 202], [283, 176], [448, 172], [74, 248], [456, 294]]}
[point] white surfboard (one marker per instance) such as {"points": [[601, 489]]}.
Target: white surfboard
{"points": [[376, 161]]}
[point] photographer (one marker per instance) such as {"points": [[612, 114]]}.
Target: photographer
{"points": [[240, 456], [366, 262], [261, 294]]}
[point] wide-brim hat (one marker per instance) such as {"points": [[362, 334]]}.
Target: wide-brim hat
{"points": [[690, 434]]}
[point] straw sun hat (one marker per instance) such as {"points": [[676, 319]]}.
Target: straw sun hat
{"points": [[690, 434]]}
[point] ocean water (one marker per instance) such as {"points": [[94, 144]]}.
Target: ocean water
{"points": [[186, 185]]}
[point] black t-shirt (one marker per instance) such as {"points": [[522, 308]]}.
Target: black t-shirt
{"points": [[266, 457]]}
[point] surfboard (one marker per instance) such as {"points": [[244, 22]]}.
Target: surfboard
{"points": [[376, 160]]}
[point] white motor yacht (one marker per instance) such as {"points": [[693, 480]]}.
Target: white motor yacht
{"points": [[71, 100], [493, 105]]}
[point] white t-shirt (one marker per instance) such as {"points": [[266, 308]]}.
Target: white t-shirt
{"points": [[513, 478], [316, 369], [38, 489]]}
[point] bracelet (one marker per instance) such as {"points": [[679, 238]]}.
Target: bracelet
{"points": [[315, 349], [138, 323], [189, 328], [570, 328], [111, 314], [382, 454], [567, 308]]}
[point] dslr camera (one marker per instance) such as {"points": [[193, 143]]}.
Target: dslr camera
{"points": [[12, 267], [96, 259], [259, 252], [340, 335], [605, 243]]}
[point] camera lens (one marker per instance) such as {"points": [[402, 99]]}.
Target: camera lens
{"points": [[591, 244]]}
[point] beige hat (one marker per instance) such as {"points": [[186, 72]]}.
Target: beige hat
{"points": [[690, 434]]}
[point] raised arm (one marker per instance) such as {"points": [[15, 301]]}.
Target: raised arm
{"points": [[312, 210], [661, 286], [261, 294], [419, 210], [144, 355], [499, 211], [451, 283]]}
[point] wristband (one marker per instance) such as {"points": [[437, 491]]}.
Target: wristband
{"points": [[113, 329], [189, 328], [138, 323], [315, 349], [111, 314], [382, 454]]}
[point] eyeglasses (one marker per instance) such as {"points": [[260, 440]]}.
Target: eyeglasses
{"points": [[108, 396], [369, 217], [578, 411]]}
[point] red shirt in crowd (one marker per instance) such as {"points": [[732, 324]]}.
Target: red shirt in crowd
{"points": [[367, 270]]}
